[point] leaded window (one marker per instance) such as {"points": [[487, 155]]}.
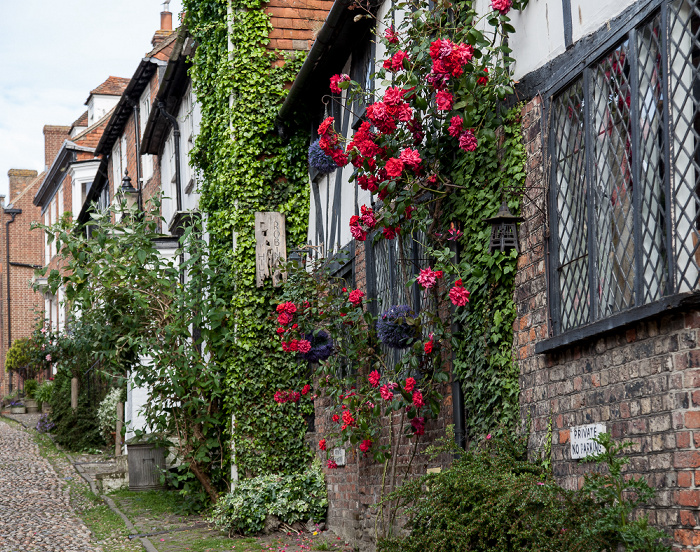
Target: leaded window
{"points": [[625, 173]]}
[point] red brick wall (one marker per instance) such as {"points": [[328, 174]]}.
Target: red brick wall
{"points": [[26, 247], [296, 22], [642, 381], [354, 489], [53, 139]]}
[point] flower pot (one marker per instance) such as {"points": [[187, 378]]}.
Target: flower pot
{"points": [[45, 408], [31, 405], [18, 410]]}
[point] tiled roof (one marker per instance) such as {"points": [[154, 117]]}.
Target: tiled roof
{"points": [[113, 86], [81, 121]]}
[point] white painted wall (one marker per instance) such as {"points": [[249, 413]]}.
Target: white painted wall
{"points": [[98, 105], [82, 175]]}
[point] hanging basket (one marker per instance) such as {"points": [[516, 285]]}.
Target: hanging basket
{"points": [[321, 347], [394, 328]]}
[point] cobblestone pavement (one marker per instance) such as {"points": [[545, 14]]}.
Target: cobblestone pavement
{"points": [[35, 510]]}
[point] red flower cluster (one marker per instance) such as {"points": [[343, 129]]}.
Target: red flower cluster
{"points": [[355, 297], [502, 6], [374, 378], [390, 233], [458, 295], [330, 142], [335, 79], [361, 225], [418, 425], [428, 277], [483, 80], [322, 444], [305, 390], [410, 384], [282, 396], [448, 61], [395, 62], [467, 140], [331, 464], [386, 393], [418, 399], [348, 420], [428, 347], [335, 418], [366, 445], [391, 36]]}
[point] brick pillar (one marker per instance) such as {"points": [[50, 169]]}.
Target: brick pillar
{"points": [[19, 180], [53, 140]]}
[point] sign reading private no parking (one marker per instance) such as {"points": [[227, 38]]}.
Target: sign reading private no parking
{"points": [[582, 443]]}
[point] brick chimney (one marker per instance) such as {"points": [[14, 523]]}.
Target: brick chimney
{"points": [[166, 26], [53, 139], [19, 180]]}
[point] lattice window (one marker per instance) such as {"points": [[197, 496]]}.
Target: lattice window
{"points": [[625, 160]]}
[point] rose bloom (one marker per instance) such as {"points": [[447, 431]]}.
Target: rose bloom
{"points": [[467, 140], [456, 124], [391, 35], [483, 80], [418, 425], [386, 394], [322, 444], [335, 79], [418, 399], [347, 418], [304, 346], [410, 157], [325, 126], [355, 297], [458, 295], [374, 378], [332, 465], [366, 445], [358, 233], [394, 95], [335, 418], [394, 167], [280, 331], [305, 390], [502, 6], [428, 347], [444, 100], [410, 384], [427, 278], [284, 319], [390, 233]]}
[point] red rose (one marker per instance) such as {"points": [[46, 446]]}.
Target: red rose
{"points": [[418, 399], [428, 347], [374, 378], [444, 100], [322, 444], [410, 384], [355, 297], [305, 390], [394, 167]]}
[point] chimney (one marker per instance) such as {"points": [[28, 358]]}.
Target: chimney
{"points": [[166, 25], [53, 140], [19, 180]]}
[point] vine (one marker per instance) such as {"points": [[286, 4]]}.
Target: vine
{"points": [[245, 166]]}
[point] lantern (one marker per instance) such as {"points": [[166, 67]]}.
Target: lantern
{"points": [[504, 230]]}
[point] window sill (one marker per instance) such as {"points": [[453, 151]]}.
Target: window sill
{"points": [[597, 329]]}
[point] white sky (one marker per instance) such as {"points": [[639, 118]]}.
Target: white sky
{"points": [[52, 53]]}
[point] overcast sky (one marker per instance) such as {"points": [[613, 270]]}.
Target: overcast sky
{"points": [[52, 53]]}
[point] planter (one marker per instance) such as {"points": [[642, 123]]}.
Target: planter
{"points": [[31, 405], [146, 463], [45, 408], [18, 410]]}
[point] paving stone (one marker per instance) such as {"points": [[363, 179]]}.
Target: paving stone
{"points": [[35, 510]]}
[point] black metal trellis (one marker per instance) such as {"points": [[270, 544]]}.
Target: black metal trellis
{"points": [[625, 172]]}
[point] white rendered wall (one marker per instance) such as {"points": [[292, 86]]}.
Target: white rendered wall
{"points": [[81, 173], [98, 105]]}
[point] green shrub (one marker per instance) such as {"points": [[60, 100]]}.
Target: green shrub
{"points": [[43, 392], [494, 499], [30, 387], [292, 498], [77, 430]]}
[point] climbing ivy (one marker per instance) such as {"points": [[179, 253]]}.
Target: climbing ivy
{"points": [[246, 166], [483, 346]]}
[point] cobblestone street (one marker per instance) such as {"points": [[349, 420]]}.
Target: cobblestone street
{"points": [[35, 511]]}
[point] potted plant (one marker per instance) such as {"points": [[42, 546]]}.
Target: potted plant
{"points": [[43, 395], [30, 388], [17, 407]]}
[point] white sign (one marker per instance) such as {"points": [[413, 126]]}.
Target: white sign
{"points": [[582, 443], [339, 456]]}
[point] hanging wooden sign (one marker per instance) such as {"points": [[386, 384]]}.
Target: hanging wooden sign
{"points": [[270, 248]]}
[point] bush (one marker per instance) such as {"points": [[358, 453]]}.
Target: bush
{"points": [[79, 430], [107, 413], [493, 498], [292, 498], [43, 392], [30, 387]]}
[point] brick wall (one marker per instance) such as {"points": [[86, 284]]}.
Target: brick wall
{"points": [[26, 247], [355, 488], [53, 139], [642, 381], [296, 22]]}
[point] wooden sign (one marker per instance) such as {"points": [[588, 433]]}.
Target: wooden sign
{"points": [[270, 248]]}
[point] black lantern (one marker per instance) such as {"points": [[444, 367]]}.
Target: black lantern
{"points": [[128, 192], [504, 230]]}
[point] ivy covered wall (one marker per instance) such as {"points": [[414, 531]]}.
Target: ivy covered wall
{"points": [[245, 166]]}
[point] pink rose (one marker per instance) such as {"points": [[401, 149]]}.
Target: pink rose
{"points": [[444, 100], [386, 394]]}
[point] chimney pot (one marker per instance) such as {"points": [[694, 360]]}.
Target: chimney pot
{"points": [[166, 21]]}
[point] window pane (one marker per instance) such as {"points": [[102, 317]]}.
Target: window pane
{"points": [[572, 212], [684, 51]]}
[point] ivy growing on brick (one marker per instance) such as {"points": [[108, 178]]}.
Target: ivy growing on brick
{"points": [[244, 167]]}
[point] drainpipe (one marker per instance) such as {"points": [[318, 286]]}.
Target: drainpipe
{"points": [[13, 213], [176, 136], [137, 130]]}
